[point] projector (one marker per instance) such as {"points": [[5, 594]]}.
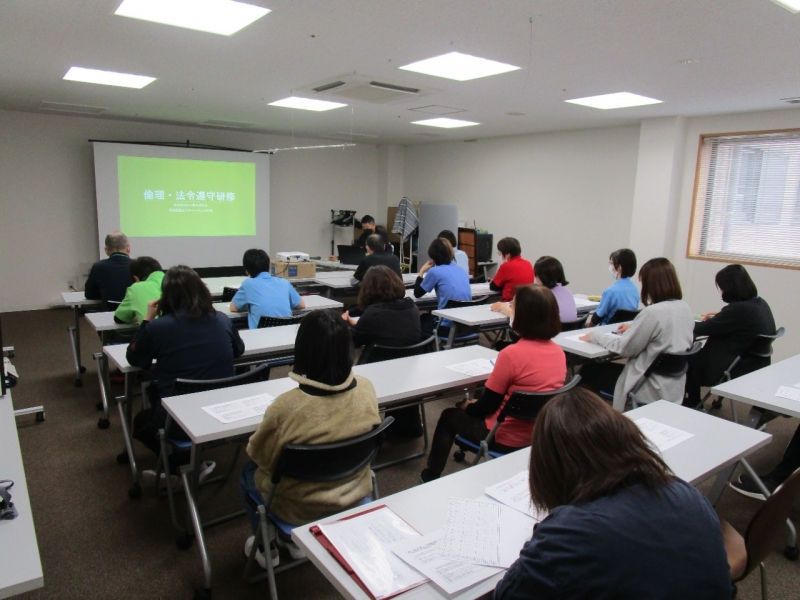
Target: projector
{"points": [[292, 256]]}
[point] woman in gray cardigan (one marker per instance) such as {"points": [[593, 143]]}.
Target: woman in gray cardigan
{"points": [[665, 325]]}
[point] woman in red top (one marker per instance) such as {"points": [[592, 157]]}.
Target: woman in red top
{"points": [[515, 270], [534, 364]]}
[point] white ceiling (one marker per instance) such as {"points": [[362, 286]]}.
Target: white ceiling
{"points": [[744, 55]]}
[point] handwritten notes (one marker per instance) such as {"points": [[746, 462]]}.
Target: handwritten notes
{"points": [[474, 368], [472, 532], [662, 436], [238, 410]]}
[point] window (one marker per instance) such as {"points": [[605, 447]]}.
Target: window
{"points": [[747, 199]]}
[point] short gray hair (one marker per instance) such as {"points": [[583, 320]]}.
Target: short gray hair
{"points": [[116, 241]]}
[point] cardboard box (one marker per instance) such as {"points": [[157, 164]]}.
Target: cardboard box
{"points": [[293, 270]]}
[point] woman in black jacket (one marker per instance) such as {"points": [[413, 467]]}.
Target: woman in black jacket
{"points": [[730, 332]]}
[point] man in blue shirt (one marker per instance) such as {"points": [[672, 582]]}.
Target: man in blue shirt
{"points": [[261, 294], [623, 294]]}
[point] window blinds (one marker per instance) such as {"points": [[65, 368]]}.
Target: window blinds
{"points": [[747, 199]]}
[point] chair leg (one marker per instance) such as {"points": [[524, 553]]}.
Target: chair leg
{"points": [[484, 451], [163, 460], [763, 581]]}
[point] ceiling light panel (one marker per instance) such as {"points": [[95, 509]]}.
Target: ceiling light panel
{"points": [[790, 5], [306, 104], [611, 101], [223, 17], [445, 123], [108, 78], [460, 67]]}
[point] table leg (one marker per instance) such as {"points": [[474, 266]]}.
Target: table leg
{"points": [[451, 337], [720, 483], [189, 477], [102, 376], [125, 410], [75, 341]]}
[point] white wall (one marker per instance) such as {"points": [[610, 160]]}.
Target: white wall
{"points": [[566, 194], [779, 287], [48, 225]]}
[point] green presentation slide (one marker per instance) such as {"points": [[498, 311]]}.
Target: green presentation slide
{"points": [[167, 197]]}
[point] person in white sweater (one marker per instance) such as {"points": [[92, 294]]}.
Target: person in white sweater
{"points": [[665, 325]]}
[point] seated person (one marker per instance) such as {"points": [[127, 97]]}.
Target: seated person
{"points": [[790, 462], [190, 340], [147, 276], [620, 524], [376, 255], [665, 325], [330, 405], [550, 274], [446, 278], [388, 317], [369, 228], [514, 272], [730, 332], [534, 364], [262, 294], [623, 294], [110, 278], [461, 258]]}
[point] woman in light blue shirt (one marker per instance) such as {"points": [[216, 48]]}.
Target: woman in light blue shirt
{"points": [[623, 294], [446, 278]]}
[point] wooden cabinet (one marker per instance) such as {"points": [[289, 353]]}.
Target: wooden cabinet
{"points": [[468, 241]]}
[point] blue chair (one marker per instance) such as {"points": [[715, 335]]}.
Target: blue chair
{"points": [[169, 445], [318, 463], [468, 335], [524, 406]]}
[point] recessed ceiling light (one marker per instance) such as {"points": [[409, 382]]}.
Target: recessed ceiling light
{"points": [[224, 17], [618, 100], [306, 104], [445, 123], [108, 78], [461, 67], [790, 5]]}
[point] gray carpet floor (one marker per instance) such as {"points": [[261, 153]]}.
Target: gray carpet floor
{"points": [[96, 543]]}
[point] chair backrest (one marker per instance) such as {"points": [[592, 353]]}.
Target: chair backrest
{"points": [[673, 364], [330, 462], [525, 406], [377, 353], [768, 525], [278, 321], [573, 325], [228, 293], [462, 303], [622, 316], [191, 386], [762, 345]]}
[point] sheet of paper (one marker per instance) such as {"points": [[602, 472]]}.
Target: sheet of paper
{"points": [[472, 532], [479, 366], [238, 410], [791, 393], [577, 338], [450, 575], [10, 368], [516, 493], [365, 542], [662, 436], [797, 385], [583, 303]]}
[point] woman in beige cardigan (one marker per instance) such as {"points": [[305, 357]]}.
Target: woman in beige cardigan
{"points": [[330, 404]]}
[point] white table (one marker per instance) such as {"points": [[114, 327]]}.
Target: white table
{"points": [[568, 342], [78, 301], [342, 280], [398, 382], [758, 388], [216, 285], [716, 445], [430, 300], [21, 570]]}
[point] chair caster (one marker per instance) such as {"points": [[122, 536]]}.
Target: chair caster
{"points": [[459, 456], [82, 369], [717, 404], [202, 594], [40, 416], [184, 543], [79, 383], [135, 491], [791, 552], [99, 406], [103, 423]]}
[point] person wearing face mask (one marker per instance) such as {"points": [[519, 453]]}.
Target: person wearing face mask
{"points": [[623, 294], [730, 331], [514, 272], [369, 228]]}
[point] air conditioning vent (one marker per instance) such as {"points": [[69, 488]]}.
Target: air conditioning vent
{"points": [[328, 86], [395, 88], [70, 108], [229, 124]]}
